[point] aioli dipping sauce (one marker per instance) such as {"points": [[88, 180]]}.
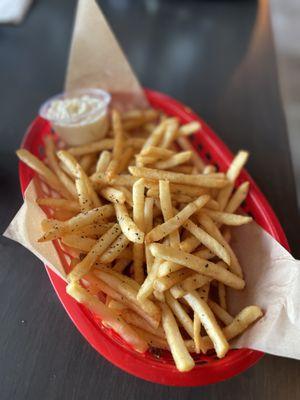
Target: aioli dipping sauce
{"points": [[78, 117]]}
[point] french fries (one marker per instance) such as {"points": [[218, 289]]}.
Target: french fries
{"points": [[107, 316], [209, 322], [182, 358], [44, 172], [96, 216], [202, 266], [147, 230], [175, 222], [96, 251]]}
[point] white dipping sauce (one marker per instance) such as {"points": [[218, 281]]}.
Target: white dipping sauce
{"points": [[79, 117]]}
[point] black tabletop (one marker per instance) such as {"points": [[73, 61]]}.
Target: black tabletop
{"points": [[218, 58]]}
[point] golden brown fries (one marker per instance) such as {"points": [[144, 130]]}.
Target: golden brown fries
{"points": [[147, 229]]}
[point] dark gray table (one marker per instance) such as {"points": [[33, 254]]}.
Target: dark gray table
{"points": [[202, 53]]}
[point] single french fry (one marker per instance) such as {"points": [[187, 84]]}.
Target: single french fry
{"points": [[237, 198], [95, 216], [138, 203], [104, 144], [212, 244], [179, 219], [167, 210], [95, 230], [96, 251], [130, 293], [44, 172], [148, 214], [182, 358], [129, 228], [173, 161], [85, 200], [180, 313], [193, 180], [227, 219], [189, 128], [166, 282], [107, 316], [237, 164], [184, 169], [59, 204], [158, 153], [240, 323], [202, 266], [103, 161], [113, 195], [79, 242], [220, 313], [141, 161], [209, 322], [114, 250]]}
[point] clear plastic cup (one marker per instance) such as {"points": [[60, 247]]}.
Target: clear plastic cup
{"points": [[78, 122]]}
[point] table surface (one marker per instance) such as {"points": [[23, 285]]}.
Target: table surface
{"points": [[205, 54]]}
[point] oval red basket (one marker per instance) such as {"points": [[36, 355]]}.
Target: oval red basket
{"points": [[150, 366]]}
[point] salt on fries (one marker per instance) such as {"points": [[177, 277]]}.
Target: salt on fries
{"points": [[149, 228]]}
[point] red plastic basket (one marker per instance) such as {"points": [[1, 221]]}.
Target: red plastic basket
{"points": [[150, 366]]}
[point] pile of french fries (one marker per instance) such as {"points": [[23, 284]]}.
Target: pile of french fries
{"points": [[148, 230]]}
